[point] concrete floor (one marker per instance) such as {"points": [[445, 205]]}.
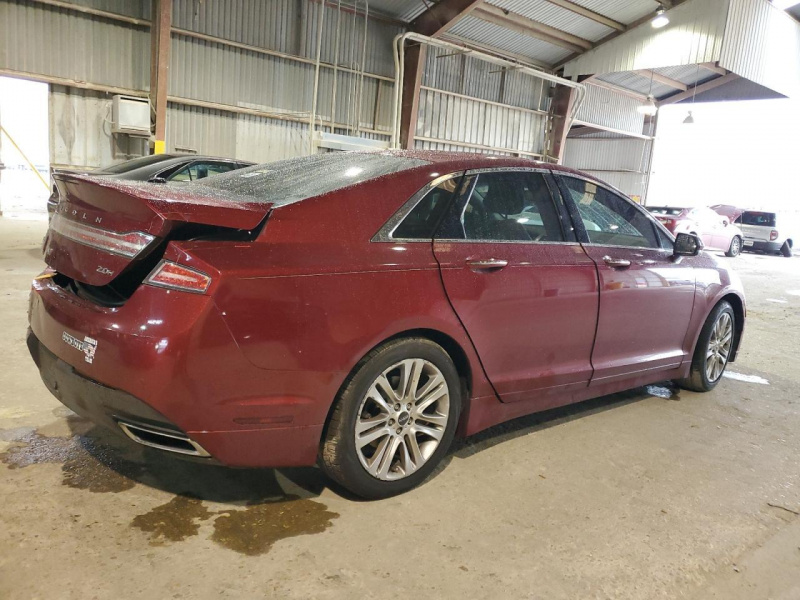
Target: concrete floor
{"points": [[630, 496]]}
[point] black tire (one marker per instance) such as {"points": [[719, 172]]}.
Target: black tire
{"points": [[786, 249], [735, 247], [339, 457], [698, 380]]}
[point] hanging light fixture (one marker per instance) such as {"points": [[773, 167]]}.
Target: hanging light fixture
{"points": [[649, 107], [689, 120], [661, 19]]}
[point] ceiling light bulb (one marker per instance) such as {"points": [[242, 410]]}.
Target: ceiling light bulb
{"points": [[649, 108], [660, 20], [689, 120]]}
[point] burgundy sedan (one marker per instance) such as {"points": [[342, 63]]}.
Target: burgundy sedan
{"points": [[358, 310]]}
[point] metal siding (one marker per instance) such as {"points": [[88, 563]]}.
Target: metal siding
{"points": [[638, 83], [555, 16], [694, 35], [35, 38], [474, 29], [130, 8], [622, 11], [762, 44], [604, 107], [599, 154]]}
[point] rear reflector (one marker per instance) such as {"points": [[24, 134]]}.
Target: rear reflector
{"points": [[177, 277], [124, 244], [773, 235]]}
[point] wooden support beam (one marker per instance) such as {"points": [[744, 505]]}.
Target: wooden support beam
{"points": [[159, 69], [526, 26], [673, 83], [699, 89], [560, 109], [714, 68], [589, 14], [442, 16]]}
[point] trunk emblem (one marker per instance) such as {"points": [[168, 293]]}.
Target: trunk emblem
{"points": [[88, 345], [105, 271]]}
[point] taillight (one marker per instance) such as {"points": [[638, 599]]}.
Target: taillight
{"points": [[173, 276], [125, 244], [773, 235]]}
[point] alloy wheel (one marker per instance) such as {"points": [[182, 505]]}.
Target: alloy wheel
{"points": [[735, 246], [402, 419], [719, 346]]}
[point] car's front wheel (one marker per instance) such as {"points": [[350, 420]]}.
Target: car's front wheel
{"points": [[394, 420], [714, 346], [735, 247]]}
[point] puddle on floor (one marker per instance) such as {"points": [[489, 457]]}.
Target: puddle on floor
{"points": [[85, 464], [252, 530], [174, 521], [255, 529]]}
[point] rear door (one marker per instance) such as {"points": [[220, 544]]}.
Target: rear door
{"points": [[522, 286], [646, 296]]}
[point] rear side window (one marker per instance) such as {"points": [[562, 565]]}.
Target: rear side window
{"points": [[421, 222], [201, 170], [609, 219], [763, 219], [511, 206], [295, 179]]}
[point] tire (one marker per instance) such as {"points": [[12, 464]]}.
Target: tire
{"points": [[400, 449], [701, 377], [735, 247], [786, 249]]}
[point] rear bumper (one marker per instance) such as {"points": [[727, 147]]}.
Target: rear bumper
{"points": [[181, 372], [761, 246]]}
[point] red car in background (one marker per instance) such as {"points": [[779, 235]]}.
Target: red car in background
{"points": [[357, 310], [714, 229]]}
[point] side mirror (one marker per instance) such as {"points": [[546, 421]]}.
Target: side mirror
{"points": [[157, 180], [687, 244]]}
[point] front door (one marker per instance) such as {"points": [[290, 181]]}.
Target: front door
{"points": [[646, 295], [522, 286]]}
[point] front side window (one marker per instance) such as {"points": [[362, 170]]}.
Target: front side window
{"points": [[511, 206], [609, 219], [200, 170]]}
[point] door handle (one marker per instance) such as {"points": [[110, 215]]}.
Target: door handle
{"points": [[487, 264], [616, 263]]}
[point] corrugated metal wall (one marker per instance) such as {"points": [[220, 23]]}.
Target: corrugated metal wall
{"points": [[623, 162], [609, 109], [470, 105], [762, 44], [694, 35]]}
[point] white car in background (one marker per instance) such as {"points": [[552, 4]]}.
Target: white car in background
{"points": [[764, 231]]}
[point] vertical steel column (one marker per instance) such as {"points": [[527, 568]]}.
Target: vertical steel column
{"points": [[159, 69], [560, 111]]}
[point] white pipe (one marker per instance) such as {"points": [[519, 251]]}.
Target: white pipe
{"points": [[336, 62], [313, 117], [363, 66], [399, 68]]}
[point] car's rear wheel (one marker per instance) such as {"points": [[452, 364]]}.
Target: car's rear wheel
{"points": [[735, 247], [394, 420], [786, 249], [714, 346]]}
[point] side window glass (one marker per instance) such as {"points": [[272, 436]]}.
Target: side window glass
{"points": [[181, 175], [511, 206], [197, 171], [610, 219], [665, 240], [421, 222]]}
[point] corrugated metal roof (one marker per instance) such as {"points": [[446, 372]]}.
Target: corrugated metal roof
{"points": [[637, 83], [624, 11], [501, 38], [402, 10], [688, 74], [555, 16]]}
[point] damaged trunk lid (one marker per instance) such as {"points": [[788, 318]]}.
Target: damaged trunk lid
{"points": [[103, 228]]}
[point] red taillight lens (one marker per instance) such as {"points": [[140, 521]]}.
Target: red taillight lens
{"points": [[773, 235], [125, 244], [177, 277]]}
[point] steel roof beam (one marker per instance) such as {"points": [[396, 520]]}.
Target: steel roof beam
{"points": [[529, 27], [699, 89], [673, 83], [442, 16], [589, 14]]}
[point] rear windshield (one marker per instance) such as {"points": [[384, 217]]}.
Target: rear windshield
{"points": [[295, 179], [136, 163], [764, 219], [665, 210]]}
